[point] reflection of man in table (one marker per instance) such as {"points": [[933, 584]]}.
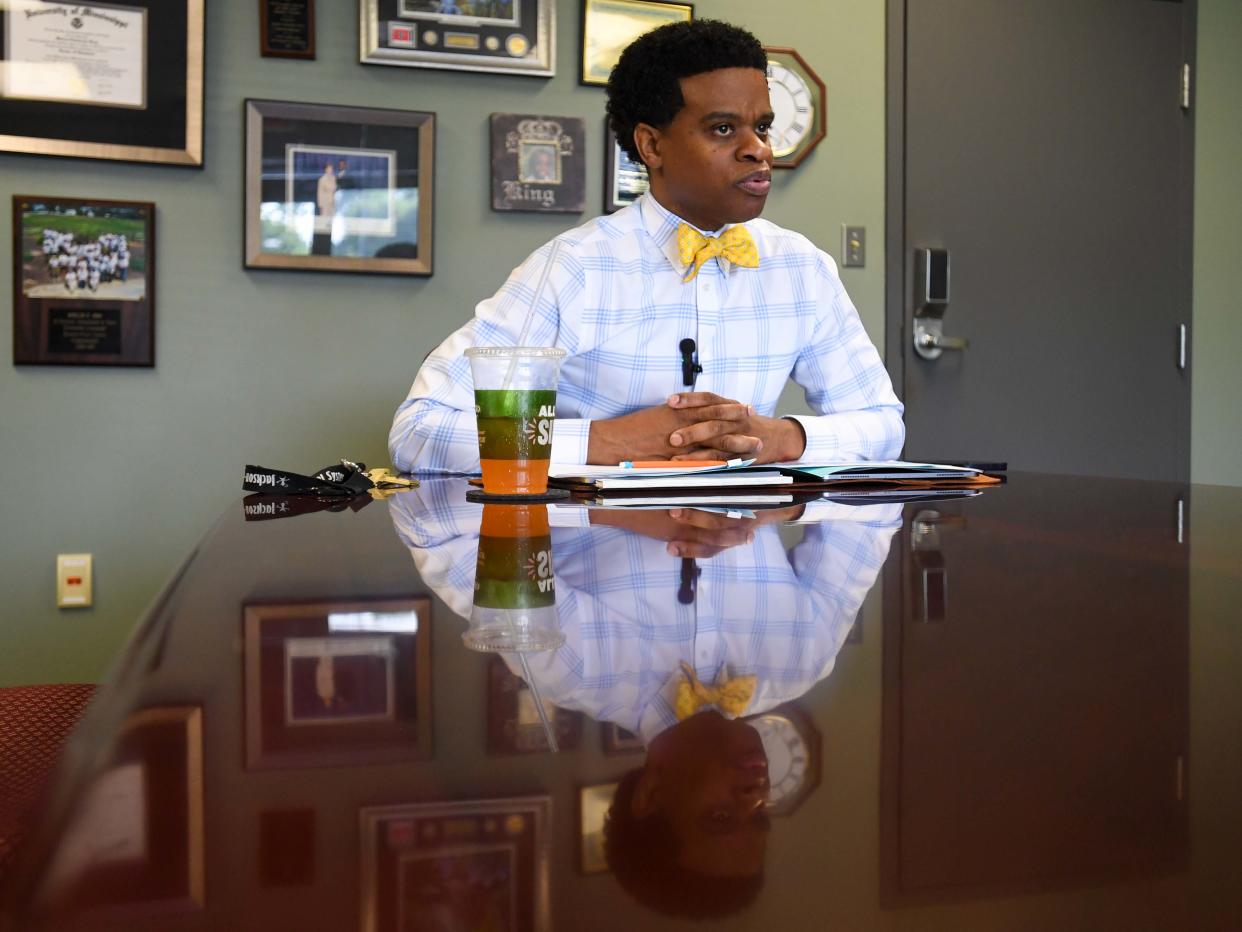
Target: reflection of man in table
{"points": [[687, 830]]}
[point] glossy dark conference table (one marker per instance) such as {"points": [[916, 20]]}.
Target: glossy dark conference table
{"points": [[1019, 710]]}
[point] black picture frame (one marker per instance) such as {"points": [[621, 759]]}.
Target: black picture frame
{"points": [[152, 112], [538, 163], [376, 216], [625, 180], [63, 317]]}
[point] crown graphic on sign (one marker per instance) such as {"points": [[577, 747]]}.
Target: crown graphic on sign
{"points": [[539, 131]]}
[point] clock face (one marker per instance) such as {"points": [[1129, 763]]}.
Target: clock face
{"points": [[793, 108], [791, 766], [799, 115]]}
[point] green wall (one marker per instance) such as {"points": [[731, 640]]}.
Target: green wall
{"points": [[1216, 416], [296, 370]]}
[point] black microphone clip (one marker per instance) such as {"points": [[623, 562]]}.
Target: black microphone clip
{"points": [[689, 362]]}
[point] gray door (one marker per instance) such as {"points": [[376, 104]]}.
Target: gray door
{"points": [[1044, 146]]}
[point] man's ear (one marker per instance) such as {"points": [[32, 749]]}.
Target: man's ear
{"points": [[643, 802], [647, 141]]}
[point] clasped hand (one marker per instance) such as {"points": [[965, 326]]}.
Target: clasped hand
{"points": [[695, 426]]}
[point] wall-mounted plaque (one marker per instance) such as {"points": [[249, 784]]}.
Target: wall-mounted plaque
{"points": [[83, 282], [119, 80], [538, 163], [287, 28]]}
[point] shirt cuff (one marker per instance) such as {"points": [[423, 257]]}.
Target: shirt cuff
{"points": [[821, 440], [569, 440]]}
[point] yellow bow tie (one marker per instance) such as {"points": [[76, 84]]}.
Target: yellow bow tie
{"points": [[736, 245], [731, 697]]}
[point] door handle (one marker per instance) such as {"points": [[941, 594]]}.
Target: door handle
{"points": [[931, 300], [929, 341]]}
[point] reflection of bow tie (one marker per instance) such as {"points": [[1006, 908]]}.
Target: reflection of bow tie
{"points": [[731, 696], [736, 245]]}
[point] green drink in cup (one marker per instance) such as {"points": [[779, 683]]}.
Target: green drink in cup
{"points": [[515, 402]]}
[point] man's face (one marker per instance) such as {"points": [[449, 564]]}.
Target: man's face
{"points": [[712, 786], [711, 165]]}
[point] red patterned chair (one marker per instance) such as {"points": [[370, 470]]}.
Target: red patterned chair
{"points": [[34, 723]]}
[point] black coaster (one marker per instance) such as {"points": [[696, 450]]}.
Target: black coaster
{"points": [[552, 495]]}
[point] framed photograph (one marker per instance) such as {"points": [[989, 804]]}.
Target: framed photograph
{"points": [[83, 282], [503, 36], [119, 80], [332, 683], [617, 740], [338, 189], [608, 26], [480, 864], [513, 722], [593, 803], [287, 28], [538, 163], [135, 844], [625, 179]]}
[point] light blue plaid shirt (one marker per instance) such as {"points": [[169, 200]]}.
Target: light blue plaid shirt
{"points": [[781, 615], [615, 301]]}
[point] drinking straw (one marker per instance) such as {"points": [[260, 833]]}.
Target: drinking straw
{"points": [[530, 312]]}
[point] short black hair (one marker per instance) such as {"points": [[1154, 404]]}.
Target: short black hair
{"points": [[643, 856], [644, 86]]}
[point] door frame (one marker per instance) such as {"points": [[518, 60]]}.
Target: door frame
{"points": [[899, 267]]}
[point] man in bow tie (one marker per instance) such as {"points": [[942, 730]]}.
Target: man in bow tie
{"points": [[682, 315]]}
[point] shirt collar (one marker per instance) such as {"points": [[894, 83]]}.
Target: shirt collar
{"points": [[661, 224]]}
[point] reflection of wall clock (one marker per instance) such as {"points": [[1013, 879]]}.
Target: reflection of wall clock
{"points": [[798, 100], [794, 757]]}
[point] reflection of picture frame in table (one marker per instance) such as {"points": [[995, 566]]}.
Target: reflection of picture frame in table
{"points": [[502, 36], [608, 26], [593, 804], [470, 864], [83, 282], [332, 683], [513, 724], [538, 163], [625, 179], [135, 842], [338, 189], [618, 740], [123, 81]]}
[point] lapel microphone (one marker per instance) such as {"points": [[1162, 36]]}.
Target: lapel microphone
{"points": [[689, 364]]}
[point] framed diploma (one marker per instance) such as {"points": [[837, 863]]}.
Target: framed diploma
{"points": [[338, 189], [117, 80], [504, 36], [83, 282], [287, 28]]}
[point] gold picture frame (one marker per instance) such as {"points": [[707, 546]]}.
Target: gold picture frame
{"points": [[608, 26], [162, 124]]}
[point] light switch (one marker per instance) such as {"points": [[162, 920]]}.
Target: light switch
{"points": [[853, 246], [73, 580]]}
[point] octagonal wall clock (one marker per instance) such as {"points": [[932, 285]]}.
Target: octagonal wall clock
{"points": [[799, 102], [795, 759]]}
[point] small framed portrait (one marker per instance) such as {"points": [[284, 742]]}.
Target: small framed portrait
{"points": [[538, 163], [625, 179], [135, 842], [502, 36], [83, 282], [337, 682], [338, 189], [514, 725], [608, 26], [593, 803], [117, 80], [480, 864]]}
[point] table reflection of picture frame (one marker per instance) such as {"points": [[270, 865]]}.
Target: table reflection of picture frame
{"points": [[625, 179], [337, 683], [608, 26], [501, 36], [593, 804], [617, 740], [538, 163], [135, 842], [83, 282], [120, 81], [513, 723], [339, 189], [470, 864]]}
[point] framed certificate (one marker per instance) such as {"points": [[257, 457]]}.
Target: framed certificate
{"points": [[119, 81], [504, 36], [608, 26]]}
